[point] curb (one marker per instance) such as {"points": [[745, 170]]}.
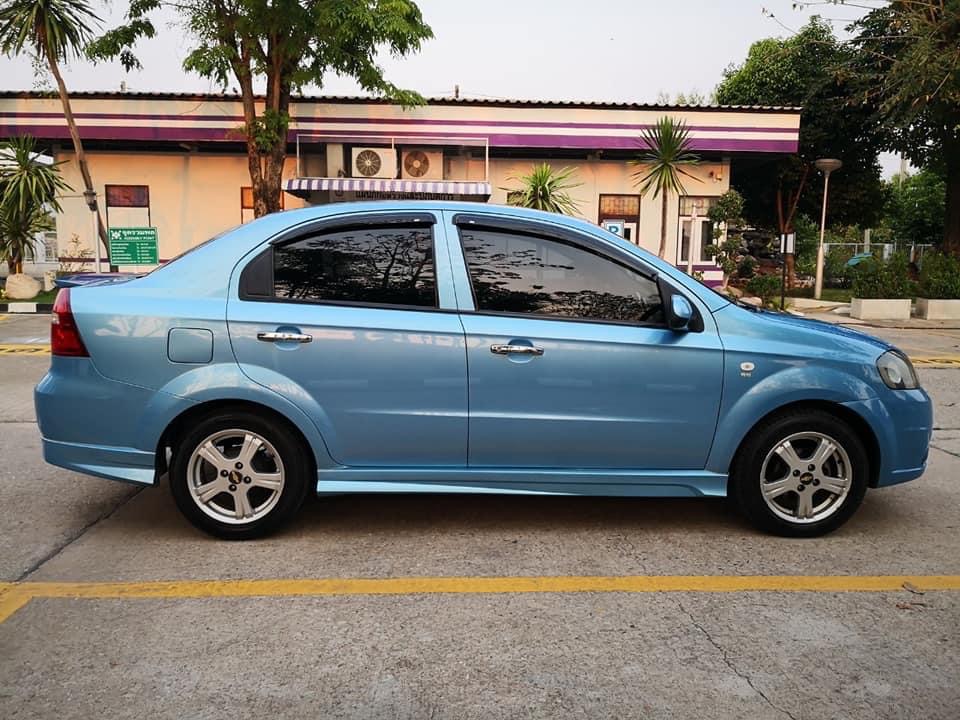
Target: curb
{"points": [[26, 307]]}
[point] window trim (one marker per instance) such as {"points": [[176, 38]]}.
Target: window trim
{"points": [[413, 220], [563, 237], [345, 222]]}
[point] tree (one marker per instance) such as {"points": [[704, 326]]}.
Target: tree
{"points": [[806, 71], [663, 165], [915, 209], [56, 31], [288, 44], [907, 70], [545, 189], [28, 192]]}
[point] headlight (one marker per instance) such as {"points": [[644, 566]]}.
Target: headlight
{"points": [[896, 371]]}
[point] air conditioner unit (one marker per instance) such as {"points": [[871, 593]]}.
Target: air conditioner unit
{"points": [[374, 162], [422, 165]]}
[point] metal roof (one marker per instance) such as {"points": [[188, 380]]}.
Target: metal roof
{"points": [[360, 99]]}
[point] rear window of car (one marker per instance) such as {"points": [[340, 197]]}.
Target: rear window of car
{"points": [[391, 266]]}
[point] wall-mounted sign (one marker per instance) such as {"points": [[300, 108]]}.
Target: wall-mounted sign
{"points": [[133, 246], [614, 226]]}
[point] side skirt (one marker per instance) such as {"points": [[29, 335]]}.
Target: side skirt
{"points": [[622, 483]]}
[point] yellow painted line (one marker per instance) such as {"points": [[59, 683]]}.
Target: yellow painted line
{"points": [[12, 599], [24, 349], [942, 360], [13, 596]]}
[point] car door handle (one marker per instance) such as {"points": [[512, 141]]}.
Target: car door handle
{"points": [[284, 337], [516, 350]]}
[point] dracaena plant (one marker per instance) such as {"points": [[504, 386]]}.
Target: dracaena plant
{"points": [[662, 165], [545, 189]]}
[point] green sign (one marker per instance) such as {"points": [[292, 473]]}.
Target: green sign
{"points": [[133, 246]]}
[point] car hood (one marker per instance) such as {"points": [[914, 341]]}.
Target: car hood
{"points": [[796, 330]]}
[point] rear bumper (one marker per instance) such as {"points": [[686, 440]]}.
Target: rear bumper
{"points": [[113, 463], [89, 423]]}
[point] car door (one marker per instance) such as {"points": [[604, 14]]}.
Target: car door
{"points": [[571, 363], [353, 319]]}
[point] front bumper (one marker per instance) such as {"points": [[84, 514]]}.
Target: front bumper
{"points": [[902, 422]]}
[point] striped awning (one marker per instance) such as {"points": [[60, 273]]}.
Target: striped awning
{"points": [[342, 184]]}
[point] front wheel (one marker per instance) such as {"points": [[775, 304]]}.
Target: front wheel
{"points": [[238, 476], [800, 474]]}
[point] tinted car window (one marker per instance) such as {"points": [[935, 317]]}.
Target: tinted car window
{"points": [[381, 266], [516, 273]]}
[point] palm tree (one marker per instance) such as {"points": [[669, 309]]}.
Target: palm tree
{"points": [[545, 189], [666, 154], [28, 194], [55, 30]]}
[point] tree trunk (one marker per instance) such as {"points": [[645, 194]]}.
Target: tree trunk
{"points": [[951, 228], [77, 143], [663, 227]]}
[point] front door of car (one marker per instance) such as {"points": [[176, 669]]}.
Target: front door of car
{"points": [[571, 363], [347, 322]]}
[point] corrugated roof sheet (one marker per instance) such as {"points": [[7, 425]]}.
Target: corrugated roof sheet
{"points": [[360, 99]]}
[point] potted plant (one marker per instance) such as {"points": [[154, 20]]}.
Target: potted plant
{"points": [[882, 289], [938, 296]]}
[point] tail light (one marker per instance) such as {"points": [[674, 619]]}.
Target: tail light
{"points": [[64, 335]]}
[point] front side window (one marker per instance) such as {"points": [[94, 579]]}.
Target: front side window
{"points": [[528, 274], [368, 265]]}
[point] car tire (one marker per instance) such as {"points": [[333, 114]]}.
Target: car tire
{"points": [[801, 473], [239, 476]]}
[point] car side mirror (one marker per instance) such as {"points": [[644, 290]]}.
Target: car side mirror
{"points": [[680, 313]]}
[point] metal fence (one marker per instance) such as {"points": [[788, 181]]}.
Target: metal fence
{"points": [[914, 251]]}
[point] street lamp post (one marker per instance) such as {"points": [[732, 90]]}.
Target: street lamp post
{"points": [[827, 166]]}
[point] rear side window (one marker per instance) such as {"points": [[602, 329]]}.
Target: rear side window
{"points": [[527, 274], [368, 266]]}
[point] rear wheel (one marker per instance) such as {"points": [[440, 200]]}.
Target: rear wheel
{"points": [[800, 474], [238, 476]]}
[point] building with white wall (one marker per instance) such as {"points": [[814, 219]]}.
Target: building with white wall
{"points": [[178, 163]]}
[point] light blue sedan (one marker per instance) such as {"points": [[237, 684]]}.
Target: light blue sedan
{"points": [[463, 348]]}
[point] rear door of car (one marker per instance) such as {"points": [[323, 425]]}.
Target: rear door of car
{"points": [[354, 320], [571, 363]]}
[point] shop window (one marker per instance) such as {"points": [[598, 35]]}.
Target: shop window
{"points": [[695, 228], [134, 196], [627, 206], [128, 205], [50, 252], [620, 214]]}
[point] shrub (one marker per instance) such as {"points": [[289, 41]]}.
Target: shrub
{"points": [[940, 277], [765, 287], [746, 267], [836, 272], [874, 278]]}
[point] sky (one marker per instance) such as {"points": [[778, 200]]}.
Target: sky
{"points": [[602, 50]]}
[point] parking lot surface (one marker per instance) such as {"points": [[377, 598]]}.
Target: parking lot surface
{"points": [[111, 605]]}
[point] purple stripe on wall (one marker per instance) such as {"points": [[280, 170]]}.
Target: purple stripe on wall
{"points": [[586, 142], [145, 117]]}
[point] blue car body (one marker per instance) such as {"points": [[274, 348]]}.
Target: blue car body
{"points": [[411, 400]]}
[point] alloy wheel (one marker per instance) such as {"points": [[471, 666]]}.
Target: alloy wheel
{"points": [[806, 477], [235, 476]]}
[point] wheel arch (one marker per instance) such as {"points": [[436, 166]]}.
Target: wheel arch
{"points": [[856, 422], [200, 410]]}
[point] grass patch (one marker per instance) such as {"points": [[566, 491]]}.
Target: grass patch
{"points": [[842, 295]]}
